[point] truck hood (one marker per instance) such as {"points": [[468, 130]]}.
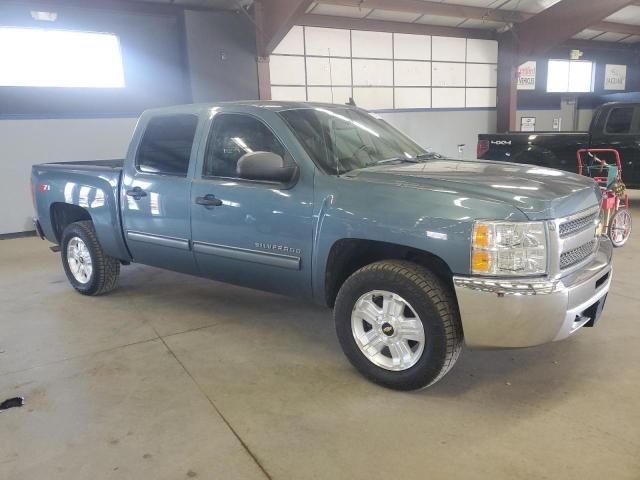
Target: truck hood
{"points": [[540, 193]]}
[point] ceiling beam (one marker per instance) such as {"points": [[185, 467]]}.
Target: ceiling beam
{"points": [[616, 28], [330, 21], [560, 22], [274, 19], [435, 8]]}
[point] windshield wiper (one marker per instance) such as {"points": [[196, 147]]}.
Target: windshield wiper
{"points": [[429, 156], [395, 159], [417, 159]]}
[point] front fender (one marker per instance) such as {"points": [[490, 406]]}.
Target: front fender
{"points": [[435, 222]]}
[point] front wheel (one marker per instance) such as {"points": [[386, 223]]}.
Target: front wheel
{"points": [[620, 227], [398, 324], [89, 270]]}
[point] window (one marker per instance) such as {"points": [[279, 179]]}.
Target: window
{"points": [[166, 145], [570, 76], [342, 139], [234, 135], [36, 57], [619, 120]]}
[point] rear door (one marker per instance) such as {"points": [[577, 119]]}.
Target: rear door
{"points": [[155, 193], [622, 132]]}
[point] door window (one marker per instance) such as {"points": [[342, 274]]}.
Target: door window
{"points": [[234, 135], [166, 145], [619, 120]]}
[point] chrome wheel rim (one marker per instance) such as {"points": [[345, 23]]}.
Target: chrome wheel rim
{"points": [[620, 227], [387, 330], [79, 260]]}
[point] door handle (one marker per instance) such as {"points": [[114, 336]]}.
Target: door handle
{"points": [[209, 201], [137, 193]]}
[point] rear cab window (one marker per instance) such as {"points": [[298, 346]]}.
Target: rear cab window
{"points": [[620, 120], [166, 145]]}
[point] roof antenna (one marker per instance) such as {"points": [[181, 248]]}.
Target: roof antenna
{"points": [[330, 75]]}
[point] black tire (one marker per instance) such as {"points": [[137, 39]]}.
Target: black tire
{"points": [[106, 269], [435, 305]]}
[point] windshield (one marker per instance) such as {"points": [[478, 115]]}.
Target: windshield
{"points": [[343, 139]]}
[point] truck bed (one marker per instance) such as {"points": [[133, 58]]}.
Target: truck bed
{"points": [[114, 163], [93, 186]]}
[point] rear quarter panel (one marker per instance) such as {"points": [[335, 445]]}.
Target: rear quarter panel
{"points": [[93, 188]]}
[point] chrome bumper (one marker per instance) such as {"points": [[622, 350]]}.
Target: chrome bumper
{"points": [[502, 313]]}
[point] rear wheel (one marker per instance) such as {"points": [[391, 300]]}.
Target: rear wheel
{"points": [[398, 324], [89, 270], [620, 227]]}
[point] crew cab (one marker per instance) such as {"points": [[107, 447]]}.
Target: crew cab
{"points": [[416, 254], [614, 125]]}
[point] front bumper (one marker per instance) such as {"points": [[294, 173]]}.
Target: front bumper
{"points": [[510, 313]]}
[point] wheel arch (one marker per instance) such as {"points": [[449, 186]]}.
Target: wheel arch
{"points": [[350, 254], [64, 214]]}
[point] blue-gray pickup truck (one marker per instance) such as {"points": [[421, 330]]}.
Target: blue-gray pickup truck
{"points": [[416, 254]]}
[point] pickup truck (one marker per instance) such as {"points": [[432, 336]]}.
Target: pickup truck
{"points": [[614, 125], [416, 254]]}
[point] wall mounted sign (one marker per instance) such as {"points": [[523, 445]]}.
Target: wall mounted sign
{"points": [[528, 124], [615, 77], [527, 76]]}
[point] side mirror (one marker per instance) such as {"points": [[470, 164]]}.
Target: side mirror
{"points": [[266, 166]]}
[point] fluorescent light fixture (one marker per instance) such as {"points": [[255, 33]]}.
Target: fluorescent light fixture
{"points": [[41, 57], [44, 16]]}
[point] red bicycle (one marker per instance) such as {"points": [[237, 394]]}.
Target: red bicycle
{"points": [[616, 219]]}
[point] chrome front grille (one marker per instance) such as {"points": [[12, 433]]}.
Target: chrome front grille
{"points": [[573, 241], [577, 255], [579, 224]]}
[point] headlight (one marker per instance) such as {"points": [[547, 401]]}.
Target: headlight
{"points": [[508, 248]]}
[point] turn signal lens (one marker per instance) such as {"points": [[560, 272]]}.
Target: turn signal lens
{"points": [[480, 262], [481, 233]]}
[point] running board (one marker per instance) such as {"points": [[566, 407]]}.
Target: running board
{"points": [[55, 248]]}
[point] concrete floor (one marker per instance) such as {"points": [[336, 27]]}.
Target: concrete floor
{"points": [[175, 377]]}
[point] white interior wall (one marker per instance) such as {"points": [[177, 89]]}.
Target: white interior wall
{"points": [[433, 129], [544, 119], [384, 71], [584, 119], [28, 142]]}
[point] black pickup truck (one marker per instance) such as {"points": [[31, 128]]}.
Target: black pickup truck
{"points": [[614, 125]]}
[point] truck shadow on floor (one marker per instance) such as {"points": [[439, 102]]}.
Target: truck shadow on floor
{"points": [[173, 303]]}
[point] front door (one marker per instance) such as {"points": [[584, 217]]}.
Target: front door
{"points": [[155, 194], [251, 233]]}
